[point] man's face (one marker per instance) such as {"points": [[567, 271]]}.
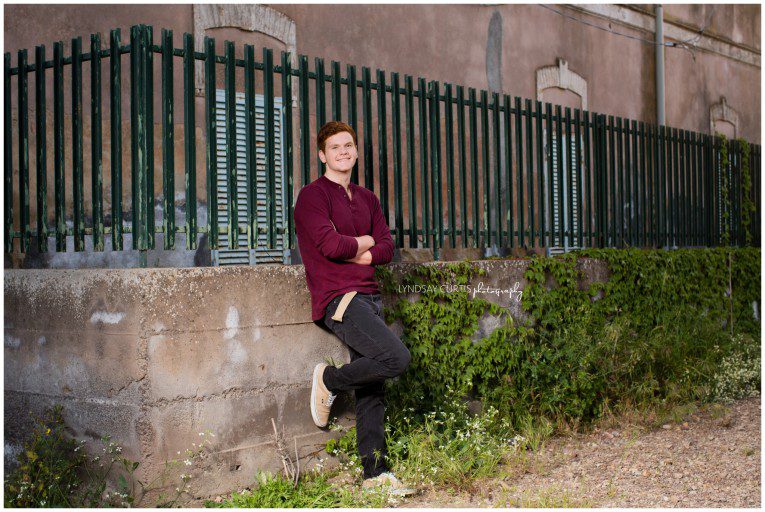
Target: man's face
{"points": [[339, 152]]}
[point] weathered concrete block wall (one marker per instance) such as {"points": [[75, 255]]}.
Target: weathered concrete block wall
{"points": [[152, 357]]}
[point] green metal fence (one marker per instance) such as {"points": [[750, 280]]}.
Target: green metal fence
{"points": [[530, 174]]}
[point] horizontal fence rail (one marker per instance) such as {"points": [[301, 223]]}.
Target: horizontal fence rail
{"points": [[454, 167]]}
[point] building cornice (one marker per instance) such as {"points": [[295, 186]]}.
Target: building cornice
{"points": [[674, 30]]}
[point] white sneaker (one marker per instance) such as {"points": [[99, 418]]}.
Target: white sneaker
{"points": [[321, 397], [390, 483]]}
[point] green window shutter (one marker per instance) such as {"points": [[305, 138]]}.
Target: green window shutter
{"points": [[558, 246], [243, 255]]}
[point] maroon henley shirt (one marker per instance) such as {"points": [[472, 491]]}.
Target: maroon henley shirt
{"points": [[326, 222]]}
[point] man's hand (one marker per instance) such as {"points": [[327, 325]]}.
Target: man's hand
{"points": [[364, 258], [366, 242]]}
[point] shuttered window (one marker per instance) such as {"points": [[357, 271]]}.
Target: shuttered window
{"points": [[553, 214], [244, 255]]}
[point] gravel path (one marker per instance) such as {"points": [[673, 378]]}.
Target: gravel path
{"points": [[707, 458]]}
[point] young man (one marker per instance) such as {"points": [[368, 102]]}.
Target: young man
{"points": [[343, 235]]}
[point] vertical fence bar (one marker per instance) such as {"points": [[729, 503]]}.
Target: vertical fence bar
{"points": [[382, 143], [651, 195], [423, 123], [321, 103], [231, 186], [486, 167], [168, 149], [709, 188], [634, 196], [79, 207], [212, 195], [649, 181], [58, 145], [690, 180], [706, 171], [23, 121], [671, 184], [681, 190], [697, 207], [289, 229], [588, 177], [268, 109], [640, 177], [366, 99], [96, 167], [509, 170], [676, 220], [434, 162], [435, 151], [550, 156], [337, 107], [612, 180], [577, 168], [410, 154], [250, 128], [619, 183], [568, 208], [538, 114], [627, 174], [665, 202], [519, 151], [601, 175], [627, 185], [149, 97], [463, 163], [115, 82], [42, 154], [497, 146], [689, 190], [305, 127], [397, 185], [449, 120], [189, 141], [530, 170], [598, 173], [8, 155], [353, 120], [474, 163], [135, 61], [145, 146]]}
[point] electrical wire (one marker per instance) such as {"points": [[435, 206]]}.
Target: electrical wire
{"points": [[687, 44]]}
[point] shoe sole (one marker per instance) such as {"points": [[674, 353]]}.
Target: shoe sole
{"points": [[314, 385]]}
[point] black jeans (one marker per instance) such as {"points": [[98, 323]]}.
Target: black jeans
{"points": [[376, 354]]}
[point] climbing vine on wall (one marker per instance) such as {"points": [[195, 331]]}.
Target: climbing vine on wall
{"points": [[652, 331]]}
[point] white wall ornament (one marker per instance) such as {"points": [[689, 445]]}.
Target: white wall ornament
{"points": [[562, 77], [250, 17], [722, 112]]}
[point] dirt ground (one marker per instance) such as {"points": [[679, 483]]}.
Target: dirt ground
{"points": [[704, 458]]}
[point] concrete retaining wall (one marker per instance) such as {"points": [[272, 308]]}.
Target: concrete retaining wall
{"points": [[152, 357]]}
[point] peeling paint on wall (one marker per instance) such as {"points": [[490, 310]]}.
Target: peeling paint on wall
{"points": [[105, 317], [12, 341], [232, 323]]}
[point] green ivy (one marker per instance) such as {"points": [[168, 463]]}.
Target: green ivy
{"points": [[654, 330]]}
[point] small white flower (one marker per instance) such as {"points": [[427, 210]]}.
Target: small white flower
{"points": [[187, 462]]}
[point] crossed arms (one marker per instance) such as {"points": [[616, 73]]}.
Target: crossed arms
{"points": [[312, 219]]}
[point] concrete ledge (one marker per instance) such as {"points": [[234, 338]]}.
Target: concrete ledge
{"points": [[152, 357]]}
